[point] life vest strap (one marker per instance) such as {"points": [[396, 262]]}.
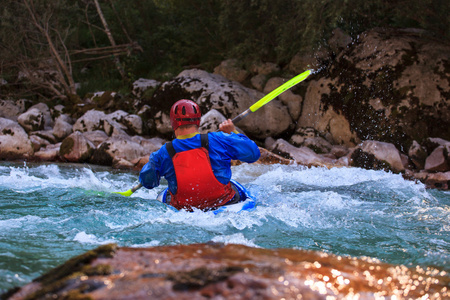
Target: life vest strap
{"points": [[204, 142]]}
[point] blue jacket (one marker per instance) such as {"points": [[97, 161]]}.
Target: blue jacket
{"points": [[223, 148]]}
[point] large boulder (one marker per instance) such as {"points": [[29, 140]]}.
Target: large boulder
{"points": [[76, 148], [218, 271], [389, 85], [14, 141], [213, 91], [32, 120], [62, 128], [118, 147], [384, 152], [94, 120]]}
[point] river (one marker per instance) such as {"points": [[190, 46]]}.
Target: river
{"points": [[52, 212]]}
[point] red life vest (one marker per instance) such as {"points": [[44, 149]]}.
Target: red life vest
{"points": [[197, 185]]}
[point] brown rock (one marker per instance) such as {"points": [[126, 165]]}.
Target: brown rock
{"points": [[218, 271], [76, 148], [437, 161]]}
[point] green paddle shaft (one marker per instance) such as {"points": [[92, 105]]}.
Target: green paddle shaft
{"points": [[263, 101], [272, 95]]}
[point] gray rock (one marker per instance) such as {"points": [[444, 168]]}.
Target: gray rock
{"points": [[62, 128], [210, 121], [32, 120], [142, 84], [14, 141]]}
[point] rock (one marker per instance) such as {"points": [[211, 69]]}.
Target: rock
{"points": [[384, 152], [311, 60], [258, 81], [324, 120], [268, 158], [96, 137], [48, 121], [264, 68], [162, 123], [32, 120], [339, 40], [210, 121], [232, 69], [432, 143], [382, 86], [212, 91], [149, 145], [132, 123], [437, 161], [218, 271], [48, 153], [116, 148], [302, 155], [418, 155], [97, 120], [318, 144], [11, 109], [269, 142], [76, 148], [38, 142], [439, 180], [14, 141], [45, 134], [142, 84], [62, 128], [339, 151], [301, 134]]}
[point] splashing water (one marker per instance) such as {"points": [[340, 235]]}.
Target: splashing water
{"points": [[52, 212]]}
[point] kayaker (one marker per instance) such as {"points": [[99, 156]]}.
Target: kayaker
{"points": [[197, 166]]}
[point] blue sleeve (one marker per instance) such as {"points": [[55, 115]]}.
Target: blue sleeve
{"points": [[150, 175], [239, 147]]}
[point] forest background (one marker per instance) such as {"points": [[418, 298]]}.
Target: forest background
{"points": [[59, 50]]}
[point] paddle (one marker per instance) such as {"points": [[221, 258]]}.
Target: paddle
{"points": [[263, 101]]}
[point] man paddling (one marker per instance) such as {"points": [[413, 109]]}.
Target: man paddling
{"points": [[198, 166]]}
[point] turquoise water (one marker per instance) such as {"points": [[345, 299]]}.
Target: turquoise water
{"points": [[52, 212]]}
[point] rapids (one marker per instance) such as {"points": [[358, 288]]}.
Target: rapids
{"points": [[52, 212]]}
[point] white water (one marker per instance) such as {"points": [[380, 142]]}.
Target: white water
{"points": [[53, 212]]}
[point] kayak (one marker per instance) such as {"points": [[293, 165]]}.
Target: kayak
{"points": [[247, 202]]}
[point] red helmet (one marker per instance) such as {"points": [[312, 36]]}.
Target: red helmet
{"points": [[185, 112]]}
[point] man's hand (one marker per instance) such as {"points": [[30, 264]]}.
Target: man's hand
{"points": [[227, 126]]}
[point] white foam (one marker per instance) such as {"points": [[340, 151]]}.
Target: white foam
{"points": [[237, 238], [85, 238]]}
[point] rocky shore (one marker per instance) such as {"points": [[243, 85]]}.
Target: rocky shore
{"points": [[380, 102]]}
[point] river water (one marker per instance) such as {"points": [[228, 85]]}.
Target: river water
{"points": [[52, 212]]}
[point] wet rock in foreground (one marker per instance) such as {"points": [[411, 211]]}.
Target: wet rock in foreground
{"points": [[217, 271]]}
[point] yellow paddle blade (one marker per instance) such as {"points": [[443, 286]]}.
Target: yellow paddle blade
{"points": [[130, 191], [273, 94], [127, 193]]}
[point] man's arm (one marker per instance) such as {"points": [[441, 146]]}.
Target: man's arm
{"points": [[239, 146], [149, 176]]}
